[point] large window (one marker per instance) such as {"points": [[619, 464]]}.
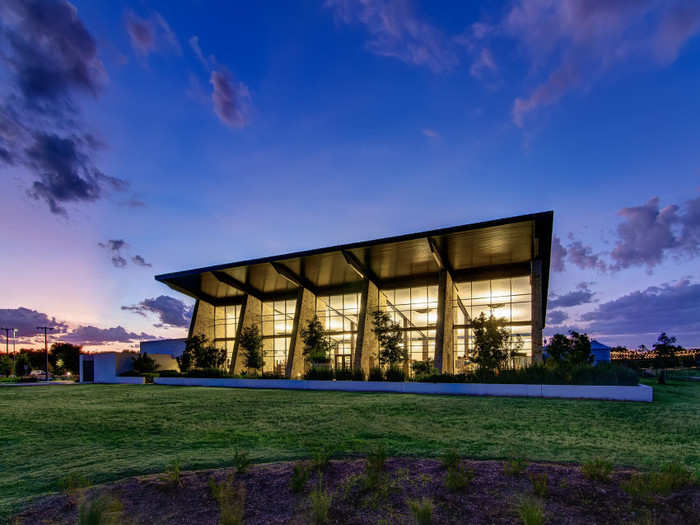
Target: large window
{"points": [[225, 327], [339, 315], [509, 299], [415, 309], [277, 324]]}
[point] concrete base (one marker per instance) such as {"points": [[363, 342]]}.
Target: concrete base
{"points": [[614, 393]]}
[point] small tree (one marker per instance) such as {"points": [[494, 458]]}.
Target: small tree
{"points": [[665, 357], [5, 365], [317, 344], [200, 354], [22, 366], [252, 344], [65, 357], [390, 337], [491, 343], [573, 350], [143, 363]]}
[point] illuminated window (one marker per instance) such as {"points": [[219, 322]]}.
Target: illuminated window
{"points": [[509, 299], [340, 315], [225, 327], [415, 309], [277, 320]]}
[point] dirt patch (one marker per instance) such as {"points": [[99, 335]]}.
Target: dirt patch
{"points": [[492, 496]]}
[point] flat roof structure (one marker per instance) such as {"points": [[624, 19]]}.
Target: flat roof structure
{"points": [[438, 259]]}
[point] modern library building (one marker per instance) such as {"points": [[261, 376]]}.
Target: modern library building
{"points": [[431, 283]]}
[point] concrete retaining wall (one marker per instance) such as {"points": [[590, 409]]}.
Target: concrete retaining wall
{"points": [[616, 393]]}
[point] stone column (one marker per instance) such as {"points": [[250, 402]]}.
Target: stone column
{"points": [[367, 348], [249, 316], [203, 320], [304, 312], [537, 317], [444, 335]]}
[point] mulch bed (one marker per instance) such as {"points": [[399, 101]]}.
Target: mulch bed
{"points": [[491, 497]]}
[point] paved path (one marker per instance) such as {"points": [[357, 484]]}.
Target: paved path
{"points": [[42, 383]]}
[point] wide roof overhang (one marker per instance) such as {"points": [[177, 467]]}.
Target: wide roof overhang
{"points": [[483, 250]]}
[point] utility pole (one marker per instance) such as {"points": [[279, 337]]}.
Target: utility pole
{"points": [[7, 338], [46, 348]]}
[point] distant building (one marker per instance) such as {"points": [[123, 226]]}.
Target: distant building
{"points": [[601, 352], [171, 347]]}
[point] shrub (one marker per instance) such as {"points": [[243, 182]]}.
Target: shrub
{"points": [[200, 354], [374, 468], [422, 511], [170, 373], [272, 375], [300, 475], [451, 459], [241, 461], [531, 511], [5, 365], [320, 503], [358, 374], [539, 484], [514, 466], [395, 374], [73, 482], [376, 374], [672, 477], [598, 469], [231, 500], [322, 459], [207, 372], [172, 474], [421, 368], [319, 373], [143, 363], [104, 510], [458, 478], [343, 374]]}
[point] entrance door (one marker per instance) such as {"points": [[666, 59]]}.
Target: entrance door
{"points": [[342, 361]]}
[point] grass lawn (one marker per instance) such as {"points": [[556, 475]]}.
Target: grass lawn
{"points": [[107, 432]]}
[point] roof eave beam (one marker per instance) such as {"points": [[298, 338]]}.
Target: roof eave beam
{"points": [[292, 277], [360, 269], [225, 278]]}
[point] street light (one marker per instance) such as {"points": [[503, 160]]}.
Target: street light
{"points": [[46, 348]]}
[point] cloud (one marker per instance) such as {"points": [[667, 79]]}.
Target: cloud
{"points": [[168, 310], [397, 32], [92, 335], [583, 39], [581, 295], [26, 320], [140, 261], [430, 133], [558, 255], [149, 34], [197, 50], [115, 246], [231, 100], [51, 57], [670, 307], [65, 173], [483, 64], [556, 317], [649, 233], [583, 257]]}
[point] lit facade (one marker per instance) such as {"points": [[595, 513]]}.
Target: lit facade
{"points": [[431, 283]]}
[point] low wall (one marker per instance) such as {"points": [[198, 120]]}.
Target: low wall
{"points": [[616, 393]]}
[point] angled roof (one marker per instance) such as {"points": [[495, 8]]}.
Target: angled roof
{"points": [[470, 250]]}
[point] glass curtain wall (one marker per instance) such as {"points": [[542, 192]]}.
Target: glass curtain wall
{"points": [[277, 319], [509, 299], [415, 309], [225, 328], [339, 315]]}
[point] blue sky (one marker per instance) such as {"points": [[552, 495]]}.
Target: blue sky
{"points": [[205, 132]]}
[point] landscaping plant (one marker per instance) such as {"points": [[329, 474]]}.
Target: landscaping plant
{"points": [[539, 484], [531, 511], [515, 466], [390, 337], [317, 344], [200, 354], [241, 461], [458, 478], [320, 503], [300, 475], [231, 500], [422, 511], [597, 469], [251, 342], [105, 510], [172, 474], [491, 344]]}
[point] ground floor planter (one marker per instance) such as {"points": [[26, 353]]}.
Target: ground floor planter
{"points": [[615, 393]]}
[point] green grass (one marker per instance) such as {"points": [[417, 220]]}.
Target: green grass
{"points": [[107, 432]]}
